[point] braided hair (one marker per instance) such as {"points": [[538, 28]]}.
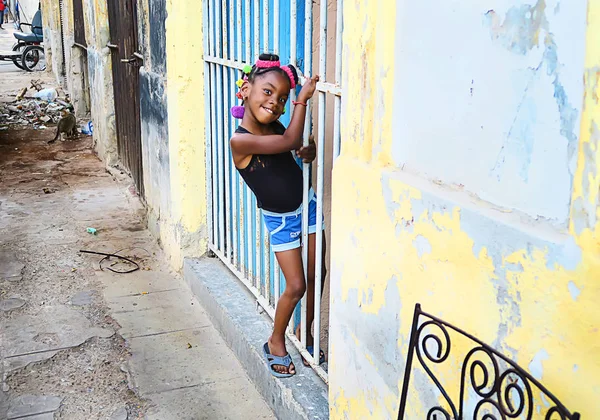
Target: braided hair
{"points": [[266, 63], [258, 70]]}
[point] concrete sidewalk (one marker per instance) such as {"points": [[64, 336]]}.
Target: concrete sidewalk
{"points": [[77, 342]]}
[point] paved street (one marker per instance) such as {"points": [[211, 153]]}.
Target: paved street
{"points": [[78, 341]]}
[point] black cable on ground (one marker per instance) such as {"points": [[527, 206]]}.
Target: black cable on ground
{"points": [[108, 256]]}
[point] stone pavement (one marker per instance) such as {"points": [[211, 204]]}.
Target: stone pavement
{"points": [[78, 341]]}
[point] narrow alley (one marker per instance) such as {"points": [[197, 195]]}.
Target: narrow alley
{"points": [[78, 341], [302, 210]]}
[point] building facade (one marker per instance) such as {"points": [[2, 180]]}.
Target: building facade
{"points": [[462, 146]]}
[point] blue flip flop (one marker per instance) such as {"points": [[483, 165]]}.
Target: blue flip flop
{"points": [[311, 350], [277, 360]]}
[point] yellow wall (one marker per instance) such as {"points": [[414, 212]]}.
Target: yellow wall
{"points": [[184, 230], [526, 287]]}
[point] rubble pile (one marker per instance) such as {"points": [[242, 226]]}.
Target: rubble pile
{"points": [[41, 108]]}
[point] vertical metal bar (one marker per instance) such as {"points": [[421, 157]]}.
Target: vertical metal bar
{"points": [[220, 157], [412, 343], [248, 31], [249, 240], [218, 161], [276, 26], [230, 88], [242, 219], [209, 146], [227, 250], [214, 141], [215, 45], [277, 282], [293, 41], [337, 101], [231, 11], [320, 173], [293, 60], [267, 262], [218, 34], [256, 30], [240, 198], [239, 29], [233, 179], [224, 29], [265, 25], [206, 21], [305, 166], [258, 245]]}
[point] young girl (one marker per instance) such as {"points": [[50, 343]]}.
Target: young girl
{"points": [[262, 152]]}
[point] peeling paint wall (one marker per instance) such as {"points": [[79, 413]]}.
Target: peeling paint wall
{"points": [[468, 183], [52, 37], [153, 103], [75, 65], [187, 130], [173, 132], [99, 73]]}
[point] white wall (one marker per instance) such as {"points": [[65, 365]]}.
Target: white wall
{"points": [[491, 98], [27, 9]]}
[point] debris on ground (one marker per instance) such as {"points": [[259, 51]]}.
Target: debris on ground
{"points": [[48, 95], [36, 110]]}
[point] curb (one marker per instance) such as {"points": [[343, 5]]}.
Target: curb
{"points": [[233, 310]]}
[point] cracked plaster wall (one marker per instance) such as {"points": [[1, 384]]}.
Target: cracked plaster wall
{"points": [[99, 71], [173, 132], [467, 182]]}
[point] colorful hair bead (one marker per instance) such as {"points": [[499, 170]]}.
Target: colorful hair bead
{"points": [[247, 69], [239, 83], [237, 112]]}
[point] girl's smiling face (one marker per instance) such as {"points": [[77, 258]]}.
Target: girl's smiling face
{"points": [[266, 96]]}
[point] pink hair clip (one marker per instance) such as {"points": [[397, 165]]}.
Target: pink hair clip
{"points": [[264, 64], [288, 71]]}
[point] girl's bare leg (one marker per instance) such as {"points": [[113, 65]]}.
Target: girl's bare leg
{"points": [[291, 265]]}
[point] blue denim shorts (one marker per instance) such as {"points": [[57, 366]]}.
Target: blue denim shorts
{"points": [[286, 228]]}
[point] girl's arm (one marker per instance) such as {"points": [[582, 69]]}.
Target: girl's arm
{"points": [[250, 144]]}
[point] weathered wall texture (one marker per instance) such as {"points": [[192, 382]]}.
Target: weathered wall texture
{"points": [[99, 71], [467, 182], [153, 102], [187, 233], [173, 132], [52, 37], [174, 157], [75, 64]]}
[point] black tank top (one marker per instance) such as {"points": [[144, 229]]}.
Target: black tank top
{"points": [[276, 180]]}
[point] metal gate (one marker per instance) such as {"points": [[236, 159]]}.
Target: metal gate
{"points": [[122, 18], [236, 32]]}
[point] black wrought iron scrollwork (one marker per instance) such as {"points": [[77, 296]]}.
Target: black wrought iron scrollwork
{"points": [[443, 351], [433, 413], [502, 389]]}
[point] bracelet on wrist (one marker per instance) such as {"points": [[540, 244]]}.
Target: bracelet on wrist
{"points": [[299, 103]]}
